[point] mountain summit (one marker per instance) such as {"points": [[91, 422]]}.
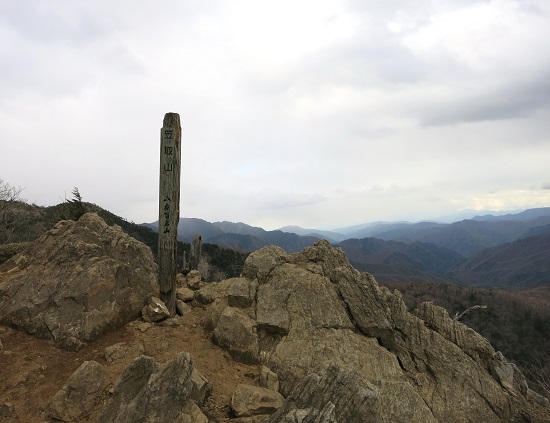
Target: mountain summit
{"points": [[317, 322]]}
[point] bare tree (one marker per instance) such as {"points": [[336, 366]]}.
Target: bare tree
{"points": [[11, 219], [9, 192], [539, 372]]}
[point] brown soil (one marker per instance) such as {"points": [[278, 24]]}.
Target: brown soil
{"points": [[33, 370]]}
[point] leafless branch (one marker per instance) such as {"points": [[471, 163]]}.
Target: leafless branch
{"points": [[9, 192], [459, 317]]}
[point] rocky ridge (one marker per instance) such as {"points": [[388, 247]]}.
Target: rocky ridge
{"points": [[302, 313], [318, 341]]}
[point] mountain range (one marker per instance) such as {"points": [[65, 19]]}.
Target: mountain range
{"points": [[510, 251]]}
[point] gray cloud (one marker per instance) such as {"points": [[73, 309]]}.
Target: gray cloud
{"points": [[292, 112], [517, 100]]}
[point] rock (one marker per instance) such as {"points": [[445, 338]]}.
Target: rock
{"points": [[326, 415], [80, 393], [80, 279], [193, 279], [1, 345], [185, 294], [329, 395], [123, 350], [181, 308], [258, 266], [241, 293], [70, 343], [7, 251], [172, 322], [248, 400], [180, 280], [269, 379], [7, 409], [191, 413], [271, 311], [155, 311], [236, 332], [314, 310], [130, 383], [148, 393], [202, 388], [538, 398], [262, 418], [213, 314], [213, 292], [472, 343]]}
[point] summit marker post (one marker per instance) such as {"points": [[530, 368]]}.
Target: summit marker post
{"points": [[169, 207]]}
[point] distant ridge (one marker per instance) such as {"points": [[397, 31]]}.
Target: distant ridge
{"points": [[398, 261], [528, 214], [328, 235], [238, 236], [524, 263], [411, 252]]}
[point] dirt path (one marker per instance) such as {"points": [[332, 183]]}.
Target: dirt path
{"points": [[33, 370]]}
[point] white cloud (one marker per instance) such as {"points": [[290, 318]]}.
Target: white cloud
{"points": [[292, 112]]}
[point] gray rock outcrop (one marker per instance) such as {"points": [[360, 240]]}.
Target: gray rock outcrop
{"points": [[148, 393], [201, 389], [269, 379], [248, 400], [312, 311], [78, 280], [80, 393], [318, 397]]}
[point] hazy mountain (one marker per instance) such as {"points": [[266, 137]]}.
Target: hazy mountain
{"points": [[328, 235], [189, 227], [405, 252], [520, 264], [238, 235], [467, 237], [416, 256], [239, 242], [354, 229], [537, 230], [523, 216], [240, 228], [376, 229]]}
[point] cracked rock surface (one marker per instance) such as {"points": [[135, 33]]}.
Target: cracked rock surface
{"points": [[77, 282], [312, 311]]}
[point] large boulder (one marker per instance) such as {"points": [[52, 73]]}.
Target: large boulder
{"points": [[236, 332], [312, 311], [80, 393], [77, 281], [147, 392]]}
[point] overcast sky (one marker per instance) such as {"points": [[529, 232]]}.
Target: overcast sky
{"points": [[317, 113]]}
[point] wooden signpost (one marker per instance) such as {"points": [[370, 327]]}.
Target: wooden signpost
{"points": [[169, 207]]}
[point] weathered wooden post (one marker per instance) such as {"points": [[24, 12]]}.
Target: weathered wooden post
{"points": [[195, 254], [169, 207]]}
